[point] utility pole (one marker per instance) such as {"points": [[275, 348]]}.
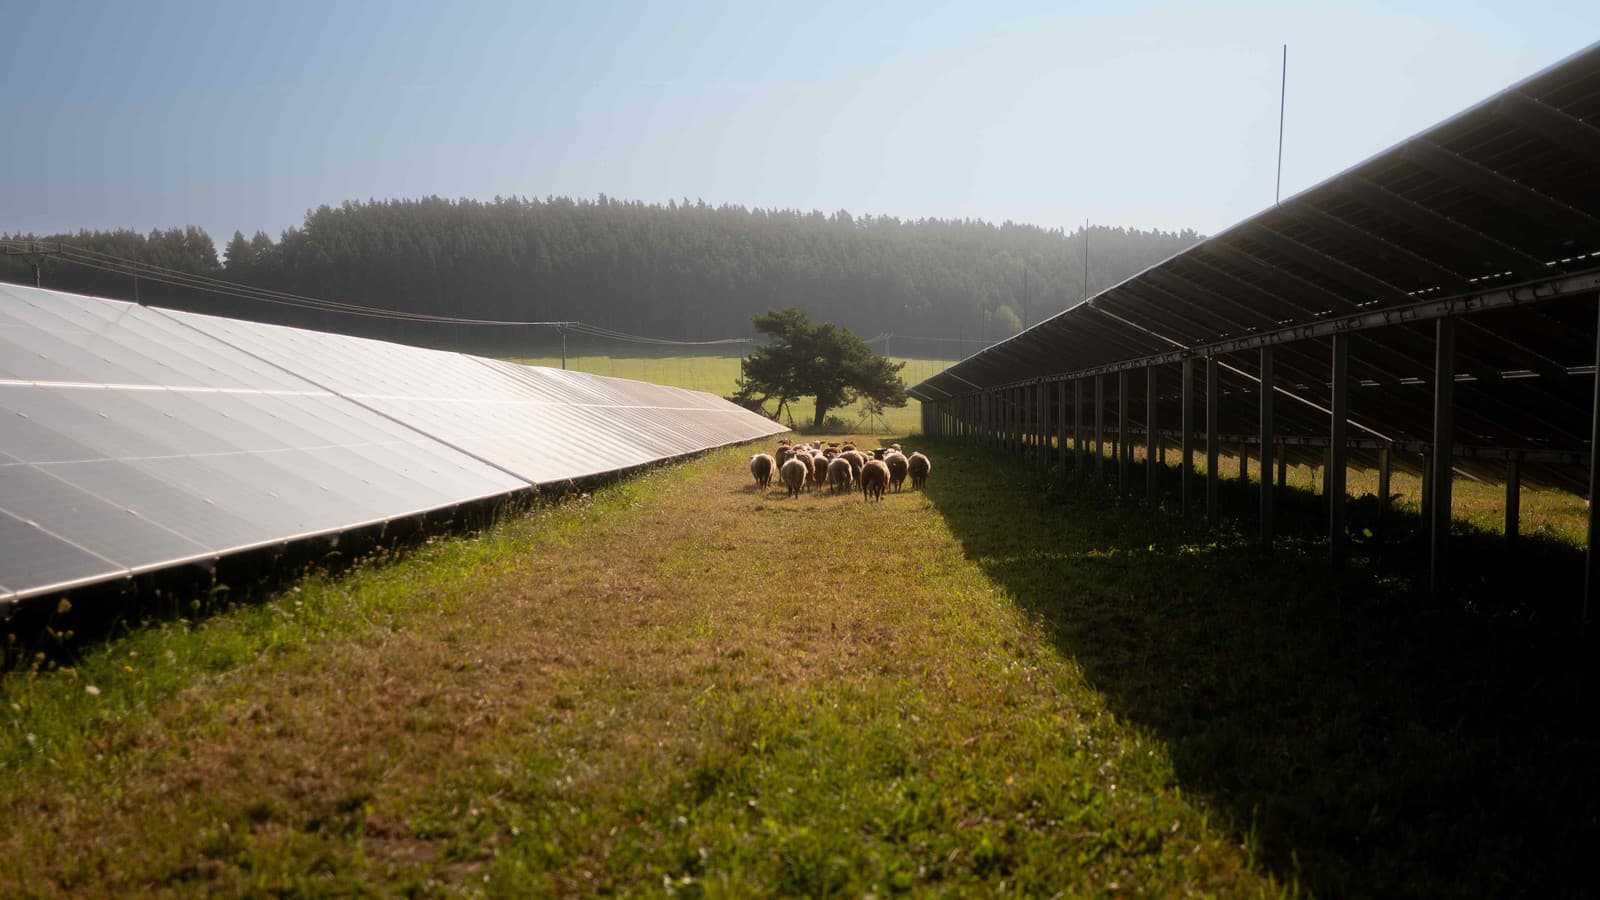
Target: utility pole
{"points": [[563, 330], [1283, 92], [36, 251], [1024, 296], [1085, 259]]}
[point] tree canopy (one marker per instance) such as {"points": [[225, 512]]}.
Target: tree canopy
{"points": [[820, 360], [683, 270]]}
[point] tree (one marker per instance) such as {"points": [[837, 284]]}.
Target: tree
{"points": [[820, 360]]}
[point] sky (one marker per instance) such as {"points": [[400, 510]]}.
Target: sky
{"points": [[1144, 115]]}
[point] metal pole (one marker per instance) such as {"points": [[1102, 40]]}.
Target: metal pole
{"points": [[1267, 438], [1337, 438], [1187, 440], [1244, 462], [1152, 440], [564, 347], [1213, 420], [1385, 469], [1427, 494], [1444, 365], [1589, 575], [1099, 430], [1513, 498], [1061, 428], [1122, 433], [1077, 429]]}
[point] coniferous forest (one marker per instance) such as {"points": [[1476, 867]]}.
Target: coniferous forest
{"points": [[685, 271]]}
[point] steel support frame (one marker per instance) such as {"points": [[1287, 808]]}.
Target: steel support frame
{"points": [[1337, 440], [1099, 430], [1187, 443], [1152, 440], [1268, 492], [1122, 433], [1444, 369], [1213, 443]]}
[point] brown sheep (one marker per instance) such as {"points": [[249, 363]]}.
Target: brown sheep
{"points": [[819, 469], [919, 466], [762, 466], [807, 461], [857, 460], [897, 469], [840, 475], [794, 473], [783, 453], [874, 480]]}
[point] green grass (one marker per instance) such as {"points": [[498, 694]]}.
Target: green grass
{"points": [[718, 374], [681, 683]]}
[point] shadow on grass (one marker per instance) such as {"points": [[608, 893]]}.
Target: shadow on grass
{"points": [[1362, 740]]}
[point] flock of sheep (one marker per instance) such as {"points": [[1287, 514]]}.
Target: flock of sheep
{"points": [[841, 467]]}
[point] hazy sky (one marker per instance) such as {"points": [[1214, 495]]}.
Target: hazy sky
{"points": [[244, 115]]}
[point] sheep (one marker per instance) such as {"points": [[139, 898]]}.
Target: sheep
{"points": [[919, 466], [897, 469], [857, 460], [783, 453], [840, 474], [794, 474], [819, 469], [874, 479], [762, 466], [805, 460]]}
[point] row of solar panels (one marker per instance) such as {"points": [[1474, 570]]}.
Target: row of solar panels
{"points": [[133, 439], [1505, 193]]}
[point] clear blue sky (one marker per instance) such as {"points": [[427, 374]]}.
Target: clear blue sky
{"points": [[244, 115]]}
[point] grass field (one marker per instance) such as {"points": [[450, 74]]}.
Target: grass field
{"points": [[719, 374], [681, 684]]}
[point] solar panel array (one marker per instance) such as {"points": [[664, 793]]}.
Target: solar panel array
{"points": [[134, 439], [1506, 193]]}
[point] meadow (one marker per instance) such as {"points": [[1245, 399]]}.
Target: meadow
{"points": [[679, 683], [719, 373]]}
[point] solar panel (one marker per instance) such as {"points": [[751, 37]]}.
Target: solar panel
{"points": [[1502, 194], [133, 439]]}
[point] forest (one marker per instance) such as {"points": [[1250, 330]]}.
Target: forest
{"points": [[681, 270]]}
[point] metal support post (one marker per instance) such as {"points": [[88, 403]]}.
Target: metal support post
{"points": [[1385, 470], [1513, 498], [1099, 430], [1187, 438], [1267, 438], [1077, 430], [1152, 439], [1426, 503], [1337, 439], [1213, 420], [1444, 365], [1244, 462], [1061, 428], [1122, 433], [1590, 577]]}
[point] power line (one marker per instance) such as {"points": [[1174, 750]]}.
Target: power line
{"points": [[136, 269]]}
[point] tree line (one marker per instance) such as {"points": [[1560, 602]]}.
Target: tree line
{"points": [[685, 271]]}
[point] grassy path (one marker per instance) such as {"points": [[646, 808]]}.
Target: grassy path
{"points": [[676, 684]]}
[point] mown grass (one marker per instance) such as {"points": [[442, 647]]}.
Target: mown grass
{"points": [[678, 684], [1375, 740], [719, 374], [683, 684]]}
